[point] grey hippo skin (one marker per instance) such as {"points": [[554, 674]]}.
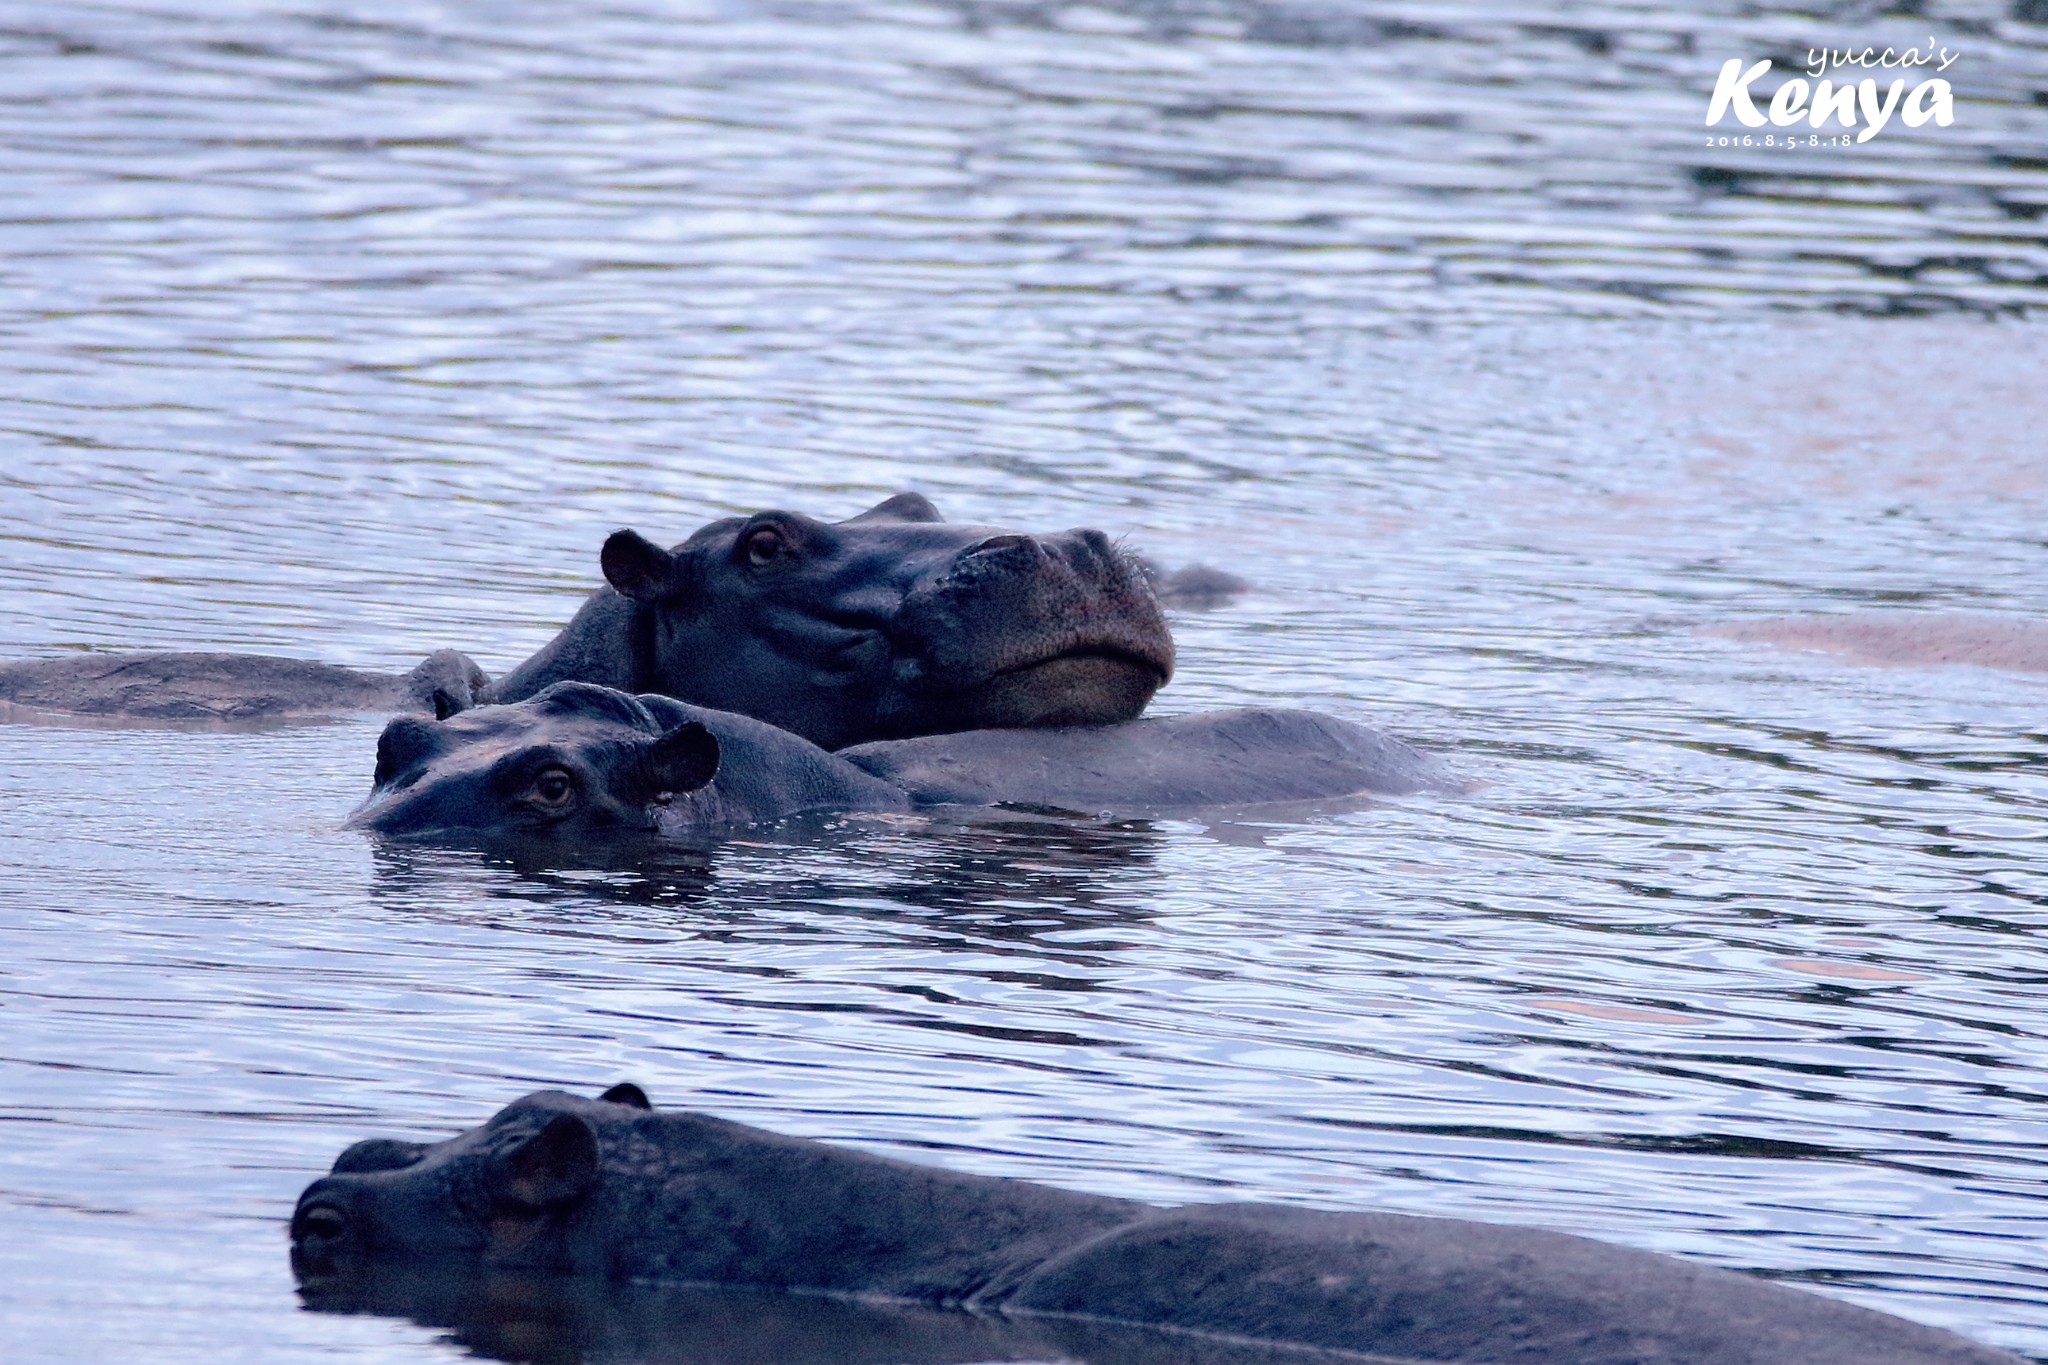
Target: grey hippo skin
{"points": [[888, 624], [580, 761], [611, 1189], [1249, 756], [231, 687]]}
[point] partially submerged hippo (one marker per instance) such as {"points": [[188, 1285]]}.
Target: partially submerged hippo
{"points": [[888, 624], [230, 688], [609, 1188], [580, 761], [891, 623]]}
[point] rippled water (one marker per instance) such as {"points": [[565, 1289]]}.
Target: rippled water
{"points": [[348, 330]]}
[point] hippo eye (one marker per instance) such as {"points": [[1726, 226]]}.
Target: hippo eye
{"points": [[762, 546], [553, 787]]}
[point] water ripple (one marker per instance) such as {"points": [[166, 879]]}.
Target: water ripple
{"points": [[348, 330]]}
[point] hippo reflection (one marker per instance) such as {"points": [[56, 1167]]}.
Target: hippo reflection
{"points": [[580, 760], [561, 1319], [610, 1189]]}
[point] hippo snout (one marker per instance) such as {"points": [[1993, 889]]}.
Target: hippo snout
{"points": [[1019, 631], [325, 1230]]}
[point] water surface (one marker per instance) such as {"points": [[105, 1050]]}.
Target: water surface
{"points": [[348, 330]]}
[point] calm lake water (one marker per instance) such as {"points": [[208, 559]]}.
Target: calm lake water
{"points": [[348, 329]]}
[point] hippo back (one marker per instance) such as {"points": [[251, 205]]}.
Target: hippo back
{"points": [[1445, 1289], [1214, 759]]}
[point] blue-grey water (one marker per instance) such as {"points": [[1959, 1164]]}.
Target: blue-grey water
{"points": [[347, 329]]}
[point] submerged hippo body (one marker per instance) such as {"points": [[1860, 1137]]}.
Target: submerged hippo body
{"points": [[888, 624], [230, 688], [579, 761], [609, 1188]]}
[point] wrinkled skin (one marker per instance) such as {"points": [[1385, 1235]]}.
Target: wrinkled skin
{"points": [[580, 762], [889, 624], [611, 1189]]}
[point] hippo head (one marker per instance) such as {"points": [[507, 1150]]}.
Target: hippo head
{"points": [[490, 1196], [576, 761], [893, 623]]}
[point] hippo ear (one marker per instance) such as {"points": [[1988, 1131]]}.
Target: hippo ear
{"points": [[1197, 587], [901, 507], [637, 567], [668, 713], [555, 1166], [406, 743], [627, 1093], [445, 683], [680, 761]]}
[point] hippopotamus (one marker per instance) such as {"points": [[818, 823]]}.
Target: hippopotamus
{"points": [[887, 624], [231, 688], [580, 761], [611, 1189]]}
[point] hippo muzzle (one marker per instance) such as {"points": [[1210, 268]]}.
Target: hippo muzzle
{"points": [[1020, 632]]}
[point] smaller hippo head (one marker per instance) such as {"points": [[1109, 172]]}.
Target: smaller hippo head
{"points": [[492, 1195], [575, 761]]}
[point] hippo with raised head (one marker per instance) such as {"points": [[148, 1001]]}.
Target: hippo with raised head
{"points": [[580, 761], [612, 1189], [890, 623]]}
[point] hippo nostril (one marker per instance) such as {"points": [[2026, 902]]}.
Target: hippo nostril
{"points": [[321, 1223], [996, 543], [1098, 542]]}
